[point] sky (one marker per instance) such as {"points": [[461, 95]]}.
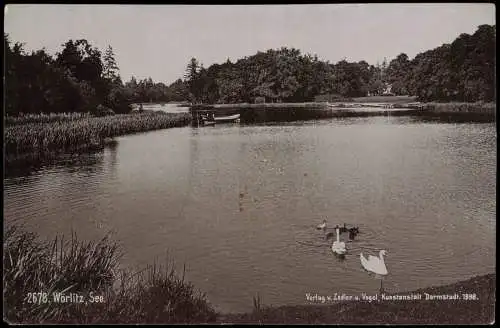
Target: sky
{"points": [[158, 41]]}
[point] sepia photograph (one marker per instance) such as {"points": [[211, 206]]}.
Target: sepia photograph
{"points": [[249, 164]]}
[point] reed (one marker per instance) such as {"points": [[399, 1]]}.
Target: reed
{"points": [[257, 307], [44, 118], [31, 266], [83, 132], [156, 294]]}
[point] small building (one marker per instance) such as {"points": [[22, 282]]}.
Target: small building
{"points": [[387, 90], [259, 100]]}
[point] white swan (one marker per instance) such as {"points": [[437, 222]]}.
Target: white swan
{"points": [[338, 247], [321, 225], [374, 264]]}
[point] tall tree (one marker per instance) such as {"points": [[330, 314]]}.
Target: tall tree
{"points": [[110, 68], [83, 60], [397, 74], [192, 78]]}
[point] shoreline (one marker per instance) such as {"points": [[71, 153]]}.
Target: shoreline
{"points": [[37, 141], [434, 310], [354, 103], [285, 112]]}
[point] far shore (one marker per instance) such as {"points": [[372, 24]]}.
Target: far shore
{"points": [[450, 111], [373, 101], [26, 139]]}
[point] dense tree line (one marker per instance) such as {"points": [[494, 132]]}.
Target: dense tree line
{"points": [[461, 71], [148, 91], [280, 75], [80, 78]]}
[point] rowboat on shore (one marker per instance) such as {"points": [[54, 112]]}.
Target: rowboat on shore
{"points": [[209, 118], [227, 119]]}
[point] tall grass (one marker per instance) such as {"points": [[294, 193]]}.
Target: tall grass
{"points": [[461, 107], [257, 308], [33, 266], [83, 132], [44, 118], [155, 295]]}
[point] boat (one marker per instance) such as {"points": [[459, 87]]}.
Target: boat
{"points": [[208, 118], [227, 119]]}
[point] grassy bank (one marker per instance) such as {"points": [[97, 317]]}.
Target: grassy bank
{"points": [[455, 112], [385, 99], [431, 107], [371, 99], [481, 311], [458, 107], [259, 106], [59, 133], [90, 270]]}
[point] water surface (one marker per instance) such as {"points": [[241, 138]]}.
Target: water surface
{"points": [[239, 204]]}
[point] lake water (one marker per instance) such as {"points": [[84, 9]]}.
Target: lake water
{"points": [[239, 204]]}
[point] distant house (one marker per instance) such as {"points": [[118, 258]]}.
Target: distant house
{"points": [[387, 90], [259, 100], [383, 90]]}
